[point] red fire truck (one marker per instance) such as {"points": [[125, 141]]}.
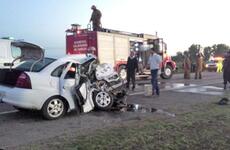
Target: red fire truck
{"points": [[112, 46]]}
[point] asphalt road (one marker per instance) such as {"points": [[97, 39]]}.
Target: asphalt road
{"points": [[177, 95]]}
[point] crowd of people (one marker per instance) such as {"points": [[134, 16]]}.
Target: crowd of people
{"points": [[222, 66], [132, 68], [154, 62]]}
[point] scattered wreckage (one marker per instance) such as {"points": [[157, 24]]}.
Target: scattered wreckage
{"points": [[56, 86]]}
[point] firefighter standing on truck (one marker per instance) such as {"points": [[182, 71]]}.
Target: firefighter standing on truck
{"points": [[96, 18]]}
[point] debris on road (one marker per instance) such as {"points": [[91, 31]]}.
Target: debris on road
{"points": [[141, 109], [223, 101]]}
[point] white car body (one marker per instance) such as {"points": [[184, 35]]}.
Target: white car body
{"points": [[45, 86]]}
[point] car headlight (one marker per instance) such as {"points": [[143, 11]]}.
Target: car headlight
{"points": [[206, 65]]}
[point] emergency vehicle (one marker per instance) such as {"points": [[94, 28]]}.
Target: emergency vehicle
{"points": [[113, 46], [211, 65]]}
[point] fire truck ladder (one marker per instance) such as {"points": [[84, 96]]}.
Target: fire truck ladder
{"points": [[122, 32]]}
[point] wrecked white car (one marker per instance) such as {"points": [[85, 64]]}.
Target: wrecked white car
{"points": [[74, 82]]}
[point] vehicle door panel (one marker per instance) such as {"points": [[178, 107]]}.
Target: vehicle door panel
{"points": [[67, 83]]}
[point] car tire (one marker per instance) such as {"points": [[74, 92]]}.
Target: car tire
{"points": [[54, 108], [122, 72], [167, 73], [103, 100]]}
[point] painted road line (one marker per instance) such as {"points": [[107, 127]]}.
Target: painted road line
{"points": [[8, 112], [137, 93], [176, 88], [193, 86]]}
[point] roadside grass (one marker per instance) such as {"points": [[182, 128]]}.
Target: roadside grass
{"points": [[207, 127]]}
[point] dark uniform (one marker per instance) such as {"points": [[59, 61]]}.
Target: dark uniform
{"points": [[132, 68], [96, 19], [226, 68]]}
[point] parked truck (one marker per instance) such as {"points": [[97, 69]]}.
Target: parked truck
{"points": [[113, 46]]}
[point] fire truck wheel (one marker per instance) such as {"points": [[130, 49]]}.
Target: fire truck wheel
{"points": [[122, 72], [167, 74]]}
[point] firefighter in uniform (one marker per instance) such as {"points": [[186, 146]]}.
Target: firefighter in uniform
{"points": [[187, 66], [219, 66], [96, 18], [199, 65]]}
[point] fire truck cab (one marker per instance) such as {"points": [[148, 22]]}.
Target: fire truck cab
{"points": [[112, 46]]}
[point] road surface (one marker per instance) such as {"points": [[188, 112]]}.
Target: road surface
{"points": [[177, 96]]}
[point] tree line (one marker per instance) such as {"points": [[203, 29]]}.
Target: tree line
{"points": [[215, 50]]}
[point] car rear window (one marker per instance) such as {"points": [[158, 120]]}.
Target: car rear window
{"points": [[26, 66]]}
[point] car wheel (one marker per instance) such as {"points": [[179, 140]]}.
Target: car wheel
{"points": [[168, 72], [122, 72], [103, 100], [54, 108]]}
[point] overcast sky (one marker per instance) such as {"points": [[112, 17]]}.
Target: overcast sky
{"points": [[180, 23]]}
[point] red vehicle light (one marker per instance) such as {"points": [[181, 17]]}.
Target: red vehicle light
{"points": [[78, 32], [72, 69], [24, 81]]}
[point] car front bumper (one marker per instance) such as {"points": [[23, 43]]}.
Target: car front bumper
{"points": [[211, 68]]}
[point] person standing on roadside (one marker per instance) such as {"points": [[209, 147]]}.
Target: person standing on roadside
{"points": [[226, 69], [154, 62], [140, 64], [132, 68], [187, 66], [219, 66], [199, 65], [96, 18]]}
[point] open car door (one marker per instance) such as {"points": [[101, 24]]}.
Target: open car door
{"points": [[75, 89]]}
